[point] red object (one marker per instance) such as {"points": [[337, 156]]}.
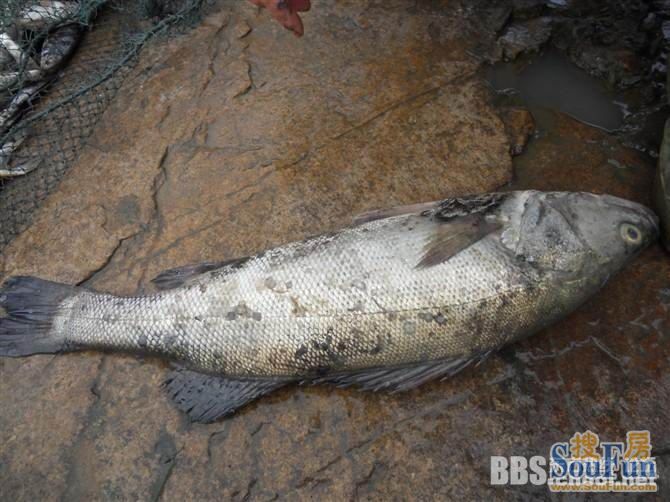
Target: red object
{"points": [[286, 12], [299, 5]]}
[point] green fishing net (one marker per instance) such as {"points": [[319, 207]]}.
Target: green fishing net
{"points": [[50, 100]]}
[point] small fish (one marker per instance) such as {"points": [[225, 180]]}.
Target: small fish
{"points": [[12, 78], [387, 304], [11, 145], [7, 151], [58, 46], [6, 58], [12, 112], [20, 169], [661, 191], [46, 14], [23, 60]]}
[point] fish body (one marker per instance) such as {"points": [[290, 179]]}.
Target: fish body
{"points": [[20, 165], [46, 14], [400, 298], [7, 151], [17, 104], [22, 59], [58, 46]]}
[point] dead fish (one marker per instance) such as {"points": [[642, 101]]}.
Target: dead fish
{"points": [[20, 169], [10, 146], [7, 151], [661, 191], [7, 61], [58, 46], [12, 78], [46, 14], [12, 112], [23, 60], [387, 304]]}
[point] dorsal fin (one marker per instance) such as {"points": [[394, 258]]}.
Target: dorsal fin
{"points": [[380, 214], [177, 277], [468, 205], [443, 209]]}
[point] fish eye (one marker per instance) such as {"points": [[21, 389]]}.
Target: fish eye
{"points": [[630, 233]]}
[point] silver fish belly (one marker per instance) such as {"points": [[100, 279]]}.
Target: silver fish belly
{"points": [[327, 304], [389, 303]]}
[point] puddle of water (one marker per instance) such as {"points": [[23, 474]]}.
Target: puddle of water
{"points": [[550, 80]]}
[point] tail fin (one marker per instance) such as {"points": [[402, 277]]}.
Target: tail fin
{"points": [[30, 305]]}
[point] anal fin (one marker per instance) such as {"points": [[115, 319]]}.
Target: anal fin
{"points": [[206, 398], [401, 379]]}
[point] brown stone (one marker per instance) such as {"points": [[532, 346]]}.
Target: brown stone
{"points": [[519, 127], [219, 146]]}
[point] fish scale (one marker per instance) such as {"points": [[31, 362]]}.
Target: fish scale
{"points": [[389, 303], [320, 307]]}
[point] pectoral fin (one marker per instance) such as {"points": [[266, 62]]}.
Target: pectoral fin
{"points": [[453, 236]]}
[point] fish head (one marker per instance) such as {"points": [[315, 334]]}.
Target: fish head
{"points": [[579, 234]]}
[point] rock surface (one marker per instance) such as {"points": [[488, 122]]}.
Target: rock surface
{"points": [[236, 137], [519, 126], [662, 187], [525, 36]]}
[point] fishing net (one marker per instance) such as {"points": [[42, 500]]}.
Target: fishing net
{"points": [[61, 64]]}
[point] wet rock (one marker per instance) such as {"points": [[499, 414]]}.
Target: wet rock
{"points": [[219, 146], [519, 127], [525, 36], [613, 41], [528, 9], [225, 141], [661, 192], [619, 67]]}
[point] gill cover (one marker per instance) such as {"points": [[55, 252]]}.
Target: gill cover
{"points": [[542, 234]]}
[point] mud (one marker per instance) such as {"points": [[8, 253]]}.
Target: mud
{"points": [[236, 137]]}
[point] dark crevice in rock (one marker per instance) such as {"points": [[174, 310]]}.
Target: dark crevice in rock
{"points": [[93, 274], [167, 452], [76, 484], [217, 437]]}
